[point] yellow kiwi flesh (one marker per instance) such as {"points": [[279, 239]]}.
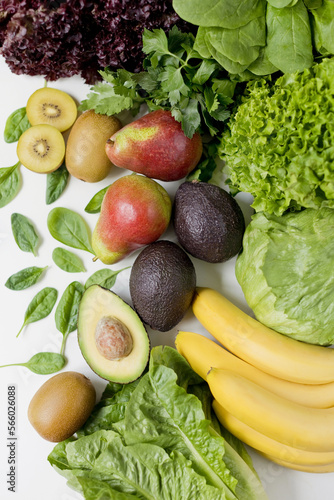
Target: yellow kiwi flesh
{"points": [[85, 157], [41, 148], [51, 107], [62, 405]]}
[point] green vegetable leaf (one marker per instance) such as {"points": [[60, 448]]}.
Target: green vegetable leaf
{"points": [[176, 422], [224, 13], [104, 277], [145, 470], [40, 306], [189, 116], [24, 233], [94, 205], [103, 99], [69, 228], [9, 183], [25, 278], [67, 261], [324, 27], [16, 124], [43, 363], [56, 182], [155, 41], [204, 72], [281, 4], [289, 29], [171, 79], [66, 315]]}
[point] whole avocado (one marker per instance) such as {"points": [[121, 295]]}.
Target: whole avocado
{"points": [[162, 284], [208, 222]]}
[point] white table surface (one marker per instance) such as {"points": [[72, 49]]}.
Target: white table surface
{"points": [[35, 478]]}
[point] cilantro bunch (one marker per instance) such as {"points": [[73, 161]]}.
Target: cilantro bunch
{"points": [[176, 77]]}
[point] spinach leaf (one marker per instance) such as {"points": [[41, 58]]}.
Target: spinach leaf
{"points": [[67, 261], [9, 183], [289, 29], [40, 306], [69, 228], [43, 363], [241, 45], [324, 27], [281, 4], [56, 182], [66, 315], [222, 13], [25, 278], [104, 277], [94, 205], [16, 124], [24, 233]]}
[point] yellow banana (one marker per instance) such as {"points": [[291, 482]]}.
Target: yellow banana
{"points": [[203, 354], [271, 352], [285, 421], [269, 446], [319, 469]]}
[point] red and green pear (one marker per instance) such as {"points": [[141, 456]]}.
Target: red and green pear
{"points": [[135, 211], [156, 146]]}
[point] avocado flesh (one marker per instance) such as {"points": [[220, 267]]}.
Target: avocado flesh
{"points": [[98, 302]]}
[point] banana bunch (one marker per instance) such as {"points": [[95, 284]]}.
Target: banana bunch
{"points": [[274, 393]]}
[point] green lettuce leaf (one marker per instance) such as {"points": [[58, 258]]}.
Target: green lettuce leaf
{"points": [[280, 142], [284, 283]]}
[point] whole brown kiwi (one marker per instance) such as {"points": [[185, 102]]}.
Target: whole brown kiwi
{"points": [[85, 156], [61, 406]]}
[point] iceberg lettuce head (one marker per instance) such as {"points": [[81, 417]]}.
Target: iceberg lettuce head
{"points": [[286, 271]]}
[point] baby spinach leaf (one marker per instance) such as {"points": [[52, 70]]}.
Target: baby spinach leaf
{"points": [[280, 4], [9, 183], [56, 182], [224, 13], [43, 363], [66, 315], [24, 233], [289, 29], [94, 205], [67, 261], [104, 277], [16, 124], [324, 27], [25, 278], [40, 306], [69, 228]]}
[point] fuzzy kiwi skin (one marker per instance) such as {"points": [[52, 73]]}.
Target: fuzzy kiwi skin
{"points": [[61, 406], [85, 156]]}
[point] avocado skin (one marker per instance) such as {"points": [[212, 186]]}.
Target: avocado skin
{"points": [[208, 222], [162, 284]]}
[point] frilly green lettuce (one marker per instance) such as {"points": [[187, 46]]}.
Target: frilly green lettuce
{"points": [[280, 142], [286, 273]]}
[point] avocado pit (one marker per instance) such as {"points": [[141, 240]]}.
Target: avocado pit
{"points": [[113, 339]]}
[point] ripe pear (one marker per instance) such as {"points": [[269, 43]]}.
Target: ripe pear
{"points": [[135, 211], [156, 146]]}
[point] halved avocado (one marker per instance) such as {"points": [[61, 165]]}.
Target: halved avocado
{"points": [[112, 337]]}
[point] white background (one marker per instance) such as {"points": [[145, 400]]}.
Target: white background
{"points": [[36, 479]]}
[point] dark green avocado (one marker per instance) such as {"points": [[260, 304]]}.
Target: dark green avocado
{"points": [[162, 284], [208, 222], [112, 338]]}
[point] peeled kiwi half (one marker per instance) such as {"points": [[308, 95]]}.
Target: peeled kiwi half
{"points": [[41, 148], [51, 107]]}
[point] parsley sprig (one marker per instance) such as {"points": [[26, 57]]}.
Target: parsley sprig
{"points": [[196, 90]]}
